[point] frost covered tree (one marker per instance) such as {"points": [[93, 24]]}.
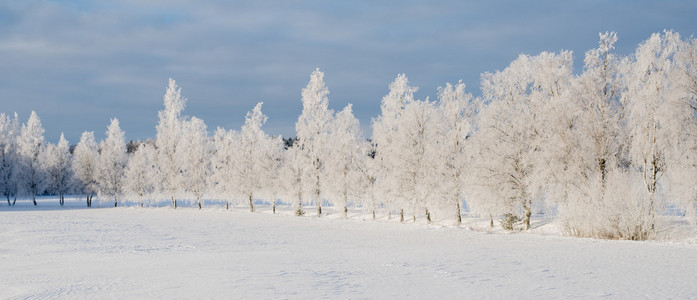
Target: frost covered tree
{"points": [[683, 175], [56, 160], [512, 131], [414, 158], [85, 165], [385, 138], [223, 164], [367, 167], [9, 129], [599, 142], [292, 174], [30, 143], [344, 151], [194, 151], [112, 162], [655, 116], [141, 172], [252, 152], [312, 129], [272, 166], [169, 130], [455, 110]]}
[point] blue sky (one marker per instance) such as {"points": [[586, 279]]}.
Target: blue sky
{"points": [[80, 63]]}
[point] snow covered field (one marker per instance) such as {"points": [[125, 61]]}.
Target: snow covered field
{"points": [[74, 252]]}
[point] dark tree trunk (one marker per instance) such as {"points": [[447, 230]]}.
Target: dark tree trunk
{"points": [[33, 198], [458, 216], [428, 216], [401, 215], [251, 203]]}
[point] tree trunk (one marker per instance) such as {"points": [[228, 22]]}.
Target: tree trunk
{"points": [[345, 212], [33, 198], [116, 202], [491, 220], [14, 200], [401, 215], [458, 215], [251, 204], [8, 200], [199, 201], [527, 213], [273, 204], [428, 216], [227, 204]]}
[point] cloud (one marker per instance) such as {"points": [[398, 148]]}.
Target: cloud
{"points": [[79, 63]]}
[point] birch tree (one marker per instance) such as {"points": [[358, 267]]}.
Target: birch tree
{"points": [[224, 164], [344, 151], [512, 133], [414, 164], [455, 109], [85, 165], [9, 129], [141, 172], [654, 118], [112, 162], [312, 130], [169, 130], [30, 143], [252, 151], [56, 161], [194, 158], [384, 137]]}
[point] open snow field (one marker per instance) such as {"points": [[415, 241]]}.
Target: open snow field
{"points": [[74, 252]]}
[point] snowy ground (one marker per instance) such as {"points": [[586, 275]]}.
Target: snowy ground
{"points": [[74, 252]]}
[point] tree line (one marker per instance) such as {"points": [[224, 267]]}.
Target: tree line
{"points": [[606, 151]]}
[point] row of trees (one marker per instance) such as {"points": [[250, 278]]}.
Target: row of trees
{"points": [[606, 150]]}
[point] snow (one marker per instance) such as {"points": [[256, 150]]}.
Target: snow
{"points": [[126, 252]]}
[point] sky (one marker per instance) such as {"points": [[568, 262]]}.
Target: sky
{"points": [[80, 63]]}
